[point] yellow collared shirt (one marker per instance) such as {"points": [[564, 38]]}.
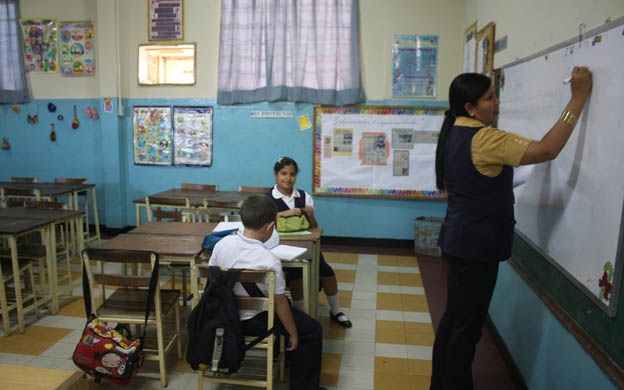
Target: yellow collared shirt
{"points": [[492, 148]]}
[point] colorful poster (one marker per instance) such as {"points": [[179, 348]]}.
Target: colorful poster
{"points": [[415, 66], [77, 48], [374, 148], [40, 45], [192, 135], [166, 20], [152, 135]]}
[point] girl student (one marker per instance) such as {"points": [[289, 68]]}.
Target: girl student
{"points": [[473, 165], [291, 201]]}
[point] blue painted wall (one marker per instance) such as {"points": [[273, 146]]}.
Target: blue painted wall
{"points": [[244, 151]]}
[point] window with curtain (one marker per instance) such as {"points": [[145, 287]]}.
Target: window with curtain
{"points": [[289, 50], [13, 85]]}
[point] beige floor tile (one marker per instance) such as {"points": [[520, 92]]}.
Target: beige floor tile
{"points": [[33, 341], [419, 367], [385, 260], [388, 278], [344, 258], [388, 365], [345, 275], [417, 333], [414, 303], [330, 369], [331, 329], [393, 381], [407, 261], [390, 332], [389, 301], [411, 280]]}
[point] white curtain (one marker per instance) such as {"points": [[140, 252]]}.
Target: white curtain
{"points": [[289, 50], [13, 84]]}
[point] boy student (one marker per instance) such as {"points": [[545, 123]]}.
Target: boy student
{"points": [[247, 250]]}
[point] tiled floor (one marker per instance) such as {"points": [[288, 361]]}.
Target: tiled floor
{"points": [[389, 346]]}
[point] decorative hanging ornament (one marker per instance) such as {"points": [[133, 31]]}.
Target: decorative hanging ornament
{"points": [[16, 108], [5, 144], [94, 113], [75, 121], [52, 133], [51, 107], [59, 117], [33, 119]]}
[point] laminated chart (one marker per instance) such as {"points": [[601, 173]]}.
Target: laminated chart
{"points": [[192, 135], [152, 135]]}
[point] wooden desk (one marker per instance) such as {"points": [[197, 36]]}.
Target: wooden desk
{"points": [[197, 198], [56, 190], [34, 378], [175, 228], [170, 249]]}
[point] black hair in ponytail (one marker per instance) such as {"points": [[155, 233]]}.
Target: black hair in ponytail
{"points": [[465, 88]]}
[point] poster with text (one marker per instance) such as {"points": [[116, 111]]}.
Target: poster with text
{"points": [[40, 41], [414, 66], [166, 20], [77, 48], [152, 135], [192, 136]]}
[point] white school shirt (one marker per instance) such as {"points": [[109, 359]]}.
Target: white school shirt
{"points": [[290, 200], [239, 251]]}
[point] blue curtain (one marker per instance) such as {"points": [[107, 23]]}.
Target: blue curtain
{"points": [[13, 83]]}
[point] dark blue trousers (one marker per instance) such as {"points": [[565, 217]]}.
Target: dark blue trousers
{"points": [[305, 361], [470, 288]]}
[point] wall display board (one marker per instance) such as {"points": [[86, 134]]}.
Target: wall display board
{"points": [[376, 151], [571, 208], [414, 66], [470, 49], [192, 136], [77, 48], [152, 135], [165, 20], [40, 45], [485, 50]]}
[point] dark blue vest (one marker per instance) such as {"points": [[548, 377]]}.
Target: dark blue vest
{"points": [[281, 205], [479, 222]]}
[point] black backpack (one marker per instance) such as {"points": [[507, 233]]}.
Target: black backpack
{"points": [[216, 341]]}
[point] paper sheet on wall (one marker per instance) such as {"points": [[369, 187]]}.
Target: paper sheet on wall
{"points": [[152, 135], [40, 44], [77, 48]]}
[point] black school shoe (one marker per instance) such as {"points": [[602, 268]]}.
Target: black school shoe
{"points": [[344, 323]]}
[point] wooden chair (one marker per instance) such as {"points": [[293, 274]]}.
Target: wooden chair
{"points": [[154, 205], [7, 289], [127, 304], [201, 187], [18, 194], [257, 190], [25, 179], [205, 214], [74, 201], [258, 368]]}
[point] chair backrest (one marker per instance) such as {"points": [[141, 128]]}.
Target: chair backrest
{"points": [[206, 215], [20, 193], [204, 187], [154, 205], [67, 180], [257, 190], [25, 179], [105, 277], [38, 204]]}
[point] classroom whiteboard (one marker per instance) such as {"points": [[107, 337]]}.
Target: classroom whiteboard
{"points": [[376, 151], [571, 208]]}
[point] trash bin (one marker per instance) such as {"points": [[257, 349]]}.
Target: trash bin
{"points": [[426, 232]]}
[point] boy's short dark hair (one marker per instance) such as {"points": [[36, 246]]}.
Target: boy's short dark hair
{"points": [[257, 211]]}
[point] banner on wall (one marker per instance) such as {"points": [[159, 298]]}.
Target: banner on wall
{"points": [[77, 57], [40, 44], [192, 135], [152, 135], [415, 66]]}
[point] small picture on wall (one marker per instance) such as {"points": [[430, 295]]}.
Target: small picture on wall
{"points": [[485, 50]]}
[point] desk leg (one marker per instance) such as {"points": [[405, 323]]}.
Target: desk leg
{"points": [[5, 308], [138, 214], [194, 284], [50, 243], [306, 289], [81, 243], [314, 276], [18, 285], [96, 219]]}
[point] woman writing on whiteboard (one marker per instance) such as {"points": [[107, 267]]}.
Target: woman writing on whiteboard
{"points": [[474, 166]]}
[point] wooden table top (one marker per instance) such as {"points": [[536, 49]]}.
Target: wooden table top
{"points": [[196, 197], [35, 213], [315, 236], [174, 228], [11, 225], [169, 245], [47, 188]]}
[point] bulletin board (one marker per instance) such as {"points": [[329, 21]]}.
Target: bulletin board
{"points": [[376, 151]]}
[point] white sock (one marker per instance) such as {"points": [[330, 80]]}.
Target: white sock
{"points": [[334, 304], [299, 305]]}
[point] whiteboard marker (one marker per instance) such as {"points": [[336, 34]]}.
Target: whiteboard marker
{"points": [[567, 80]]}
